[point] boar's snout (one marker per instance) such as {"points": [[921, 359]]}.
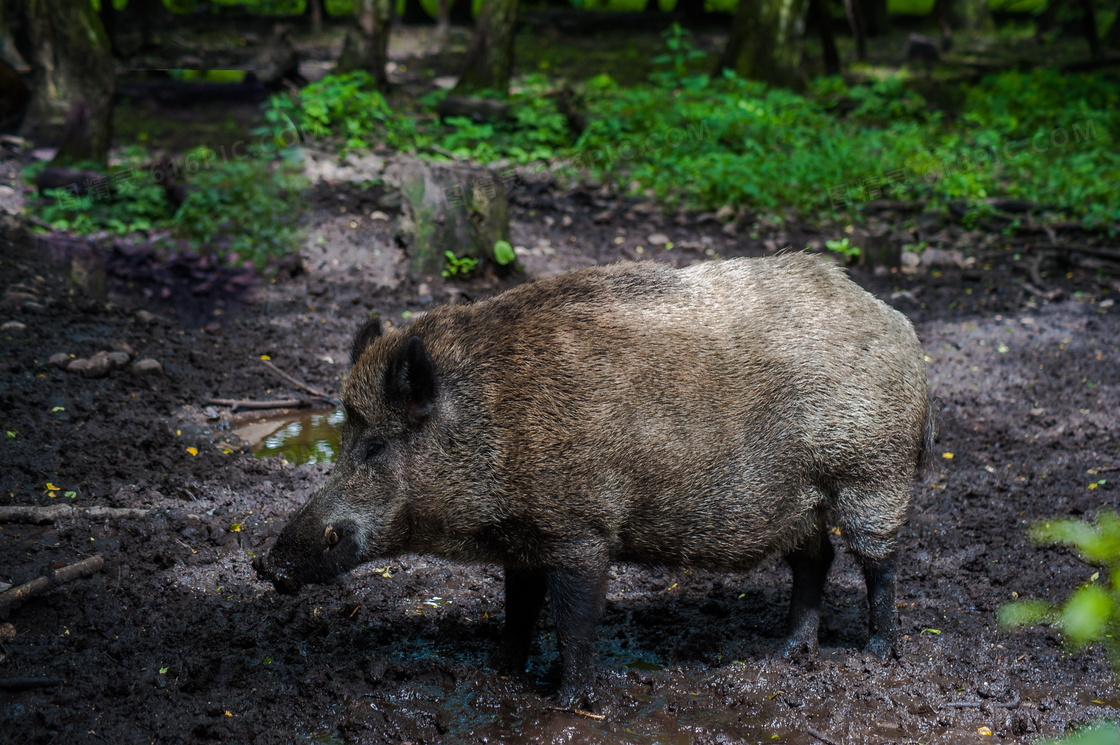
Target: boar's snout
{"points": [[308, 553]]}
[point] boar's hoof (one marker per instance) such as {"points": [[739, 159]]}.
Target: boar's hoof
{"points": [[797, 647], [882, 646], [330, 537], [583, 698]]}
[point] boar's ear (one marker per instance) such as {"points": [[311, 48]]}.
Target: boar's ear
{"points": [[410, 380], [369, 331]]}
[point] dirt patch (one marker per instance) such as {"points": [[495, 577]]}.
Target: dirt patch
{"points": [[177, 641]]}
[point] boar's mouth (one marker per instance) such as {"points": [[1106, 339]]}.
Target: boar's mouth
{"points": [[300, 558]]}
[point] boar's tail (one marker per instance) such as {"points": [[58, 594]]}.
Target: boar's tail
{"points": [[929, 434]]}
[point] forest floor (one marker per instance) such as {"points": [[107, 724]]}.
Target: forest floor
{"points": [[175, 640]]}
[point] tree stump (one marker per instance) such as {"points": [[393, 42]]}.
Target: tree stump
{"points": [[452, 208]]}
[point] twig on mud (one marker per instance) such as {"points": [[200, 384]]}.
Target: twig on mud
{"points": [[1013, 703], [581, 712], [298, 383], [283, 403], [1047, 294], [25, 684], [43, 515], [822, 737], [24, 592]]}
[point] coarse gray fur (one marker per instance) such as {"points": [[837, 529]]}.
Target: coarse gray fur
{"points": [[704, 417]]}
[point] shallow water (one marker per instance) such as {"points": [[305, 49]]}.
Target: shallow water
{"points": [[303, 437]]}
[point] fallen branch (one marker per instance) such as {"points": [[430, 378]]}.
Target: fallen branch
{"points": [[25, 684], [823, 738], [38, 586], [1013, 703], [298, 383], [581, 712], [44, 515], [283, 403]]}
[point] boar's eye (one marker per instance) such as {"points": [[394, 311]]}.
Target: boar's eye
{"points": [[374, 449]]}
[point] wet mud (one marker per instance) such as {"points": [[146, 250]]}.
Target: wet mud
{"points": [[176, 641]]}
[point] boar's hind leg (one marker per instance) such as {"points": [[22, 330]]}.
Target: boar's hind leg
{"points": [[810, 564], [870, 525], [878, 574], [578, 593], [525, 591]]}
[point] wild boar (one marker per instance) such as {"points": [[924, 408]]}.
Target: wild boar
{"points": [[703, 417]]}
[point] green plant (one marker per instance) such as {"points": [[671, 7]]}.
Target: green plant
{"points": [[1103, 732], [1092, 613], [843, 247], [679, 57], [236, 210], [504, 253], [457, 265]]}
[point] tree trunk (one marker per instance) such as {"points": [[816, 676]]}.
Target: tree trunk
{"points": [[1089, 28], [876, 22], [1112, 38], [830, 58], [414, 14], [109, 21], [490, 57], [72, 88], [443, 17], [856, 24], [460, 12], [765, 41], [689, 10], [945, 13], [367, 44], [315, 11]]}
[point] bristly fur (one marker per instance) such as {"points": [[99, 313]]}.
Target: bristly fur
{"points": [[704, 417]]}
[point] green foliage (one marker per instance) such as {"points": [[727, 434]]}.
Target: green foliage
{"points": [[679, 58], [1103, 732], [245, 208], [843, 247], [504, 253], [456, 265], [346, 106], [241, 209], [1092, 612]]}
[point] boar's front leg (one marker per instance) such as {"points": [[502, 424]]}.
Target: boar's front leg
{"points": [[810, 564], [578, 593], [525, 590]]}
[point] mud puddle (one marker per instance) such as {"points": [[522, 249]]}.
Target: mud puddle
{"points": [[299, 437]]}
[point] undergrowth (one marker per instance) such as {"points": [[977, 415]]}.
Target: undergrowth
{"points": [[706, 141], [236, 210]]}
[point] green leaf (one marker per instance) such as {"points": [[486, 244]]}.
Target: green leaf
{"points": [[1086, 614], [1026, 613], [504, 253]]}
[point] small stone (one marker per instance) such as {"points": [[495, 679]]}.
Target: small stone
{"points": [[98, 366], [658, 239], [77, 366], [378, 215], [14, 299], [941, 257], [7, 631], [59, 360], [119, 346], [33, 307], [145, 318], [147, 366], [120, 359], [13, 328]]}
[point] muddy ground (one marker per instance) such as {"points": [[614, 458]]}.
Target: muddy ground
{"points": [[176, 641]]}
